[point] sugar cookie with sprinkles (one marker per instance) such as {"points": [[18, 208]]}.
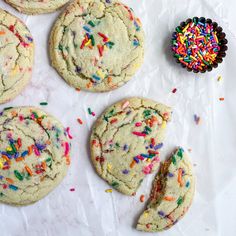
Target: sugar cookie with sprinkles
{"points": [[34, 7], [34, 155], [126, 141], [16, 56], [171, 196], [97, 45], [199, 44]]}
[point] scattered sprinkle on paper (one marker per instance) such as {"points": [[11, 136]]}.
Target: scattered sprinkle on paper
{"points": [[72, 189], [79, 121], [219, 78], [174, 90], [142, 198], [43, 103], [108, 190], [197, 119], [91, 112], [222, 99]]}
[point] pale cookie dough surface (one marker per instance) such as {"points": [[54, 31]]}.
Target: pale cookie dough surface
{"points": [[32, 7], [171, 196], [126, 140], [97, 45], [34, 155], [16, 56]]}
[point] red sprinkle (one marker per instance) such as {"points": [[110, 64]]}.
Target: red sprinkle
{"points": [[139, 134], [138, 124], [100, 50], [68, 132], [142, 198], [72, 189], [174, 90], [105, 38], [80, 121], [113, 121]]}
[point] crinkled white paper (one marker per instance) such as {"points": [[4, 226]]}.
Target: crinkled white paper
{"points": [[89, 210]]}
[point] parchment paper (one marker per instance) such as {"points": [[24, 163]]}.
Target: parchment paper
{"points": [[89, 210]]}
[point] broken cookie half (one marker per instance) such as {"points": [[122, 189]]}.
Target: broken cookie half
{"points": [[171, 196], [126, 140]]}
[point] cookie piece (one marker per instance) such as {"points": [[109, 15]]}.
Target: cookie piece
{"points": [[34, 155], [33, 7], [125, 142], [17, 55], [97, 45], [171, 196]]}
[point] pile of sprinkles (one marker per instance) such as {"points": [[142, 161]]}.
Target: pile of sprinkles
{"points": [[199, 44]]}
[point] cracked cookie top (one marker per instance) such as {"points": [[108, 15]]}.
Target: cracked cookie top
{"points": [[126, 140], [16, 56], [34, 154], [97, 45], [36, 6], [171, 196]]}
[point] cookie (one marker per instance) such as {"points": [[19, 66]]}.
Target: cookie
{"points": [[97, 45], [126, 140], [33, 7], [17, 56], [34, 155], [199, 44], [171, 196]]}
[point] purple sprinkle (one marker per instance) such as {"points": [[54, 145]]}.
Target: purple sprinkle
{"points": [[125, 147], [161, 213], [16, 155], [158, 146], [127, 113], [108, 1], [78, 69], [151, 146], [40, 146], [136, 159], [125, 172], [170, 174], [1, 113], [29, 39]]}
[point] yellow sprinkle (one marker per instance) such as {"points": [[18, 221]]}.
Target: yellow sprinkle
{"points": [[86, 44], [163, 126], [100, 74], [108, 190], [200, 55], [9, 149], [109, 166], [1, 165], [193, 58], [145, 214], [185, 28], [219, 78]]}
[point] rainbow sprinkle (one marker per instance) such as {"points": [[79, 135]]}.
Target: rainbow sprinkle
{"points": [[196, 44]]}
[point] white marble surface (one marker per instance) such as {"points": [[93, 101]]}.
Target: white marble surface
{"points": [[91, 211]]}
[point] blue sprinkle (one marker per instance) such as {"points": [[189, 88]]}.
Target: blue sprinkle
{"points": [[96, 77], [161, 213], [136, 159], [40, 146], [187, 184], [8, 155], [16, 155], [23, 154], [125, 147], [145, 155], [29, 39], [136, 42], [125, 172], [13, 187], [86, 28], [170, 174], [158, 146], [1, 177], [78, 69]]}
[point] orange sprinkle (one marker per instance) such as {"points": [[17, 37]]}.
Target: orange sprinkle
{"points": [[78, 89], [5, 157], [221, 99], [169, 198], [67, 160], [29, 170], [48, 142], [180, 181], [80, 121], [2, 32], [89, 85], [109, 79], [142, 198], [132, 164], [30, 150], [19, 159], [9, 180], [44, 165]]}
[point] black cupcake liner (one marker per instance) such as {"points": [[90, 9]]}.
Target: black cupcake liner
{"points": [[221, 38]]}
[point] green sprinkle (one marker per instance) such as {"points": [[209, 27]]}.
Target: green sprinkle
{"points": [[7, 108], [91, 23], [174, 160], [180, 153], [18, 175], [146, 113], [117, 145], [180, 201], [114, 184], [92, 40], [89, 111], [35, 115], [43, 103], [1, 194], [60, 47], [13, 147], [148, 129]]}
